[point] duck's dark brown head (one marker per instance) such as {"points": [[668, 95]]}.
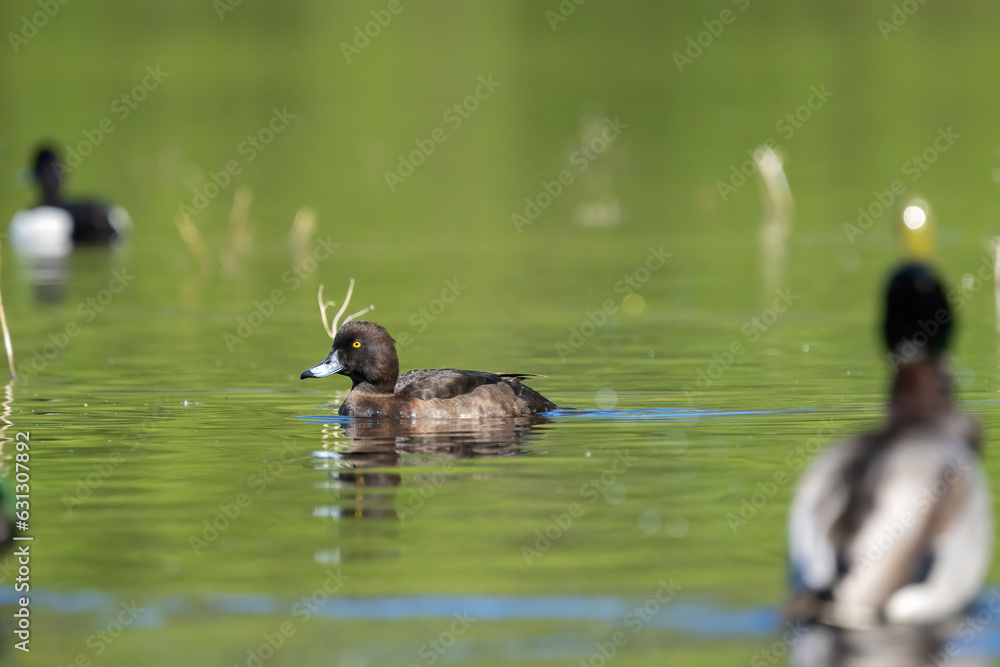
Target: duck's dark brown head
{"points": [[364, 352]]}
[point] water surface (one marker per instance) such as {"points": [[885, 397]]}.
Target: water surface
{"points": [[181, 467]]}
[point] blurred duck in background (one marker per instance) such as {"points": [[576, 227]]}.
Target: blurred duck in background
{"points": [[894, 527], [56, 224], [43, 236]]}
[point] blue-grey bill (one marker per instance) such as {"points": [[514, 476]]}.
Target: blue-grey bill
{"points": [[329, 366]]}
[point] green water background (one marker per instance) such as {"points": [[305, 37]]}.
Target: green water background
{"points": [[225, 413]]}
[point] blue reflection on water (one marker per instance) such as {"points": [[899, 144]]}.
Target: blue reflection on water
{"points": [[696, 618], [651, 414]]}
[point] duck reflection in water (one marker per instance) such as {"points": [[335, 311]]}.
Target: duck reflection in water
{"points": [[362, 449], [890, 533], [887, 646]]}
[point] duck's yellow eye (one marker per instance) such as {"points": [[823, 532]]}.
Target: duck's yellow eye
{"points": [[356, 343]]}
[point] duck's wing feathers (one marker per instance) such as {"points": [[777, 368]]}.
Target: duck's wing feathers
{"points": [[923, 549], [443, 383], [451, 393], [820, 499], [953, 531], [519, 376]]}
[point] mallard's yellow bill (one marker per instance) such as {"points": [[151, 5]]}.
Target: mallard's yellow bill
{"points": [[917, 236]]}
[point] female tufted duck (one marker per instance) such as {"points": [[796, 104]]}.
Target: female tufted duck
{"points": [[366, 353], [895, 526]]}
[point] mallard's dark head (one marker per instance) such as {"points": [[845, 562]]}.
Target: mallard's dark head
{"points": [[917, 316]]}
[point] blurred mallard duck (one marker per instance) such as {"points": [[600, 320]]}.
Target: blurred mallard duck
{"points": [[895, 526]]}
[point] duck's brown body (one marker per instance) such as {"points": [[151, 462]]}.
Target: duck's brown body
{"points": [[448, 393], [366, 353]]}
